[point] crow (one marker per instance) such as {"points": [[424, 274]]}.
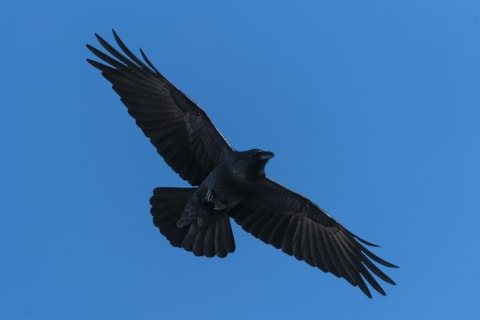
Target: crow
{"points": [[226, 183]]}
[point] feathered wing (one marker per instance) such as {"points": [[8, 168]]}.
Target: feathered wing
{"points": [[290, 222], [180, 130]]}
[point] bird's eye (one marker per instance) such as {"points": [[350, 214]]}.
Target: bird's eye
{"points": [[257, 154]]}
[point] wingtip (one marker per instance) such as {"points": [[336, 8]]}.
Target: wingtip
{"points": [[150, 64], [99, 37], [115, 35], [367, 293], [368, 243]]}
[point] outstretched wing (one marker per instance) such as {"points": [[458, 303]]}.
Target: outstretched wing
{"points": [[290, 222], [180, 130]]}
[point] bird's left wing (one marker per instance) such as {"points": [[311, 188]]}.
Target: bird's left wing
{"points": [[290, 222], [180, 130]]}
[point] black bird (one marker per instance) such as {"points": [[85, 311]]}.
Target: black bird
{"points": [[227, 183]]}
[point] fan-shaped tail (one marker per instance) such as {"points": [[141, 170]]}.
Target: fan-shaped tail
{"points": [[213, 239]]}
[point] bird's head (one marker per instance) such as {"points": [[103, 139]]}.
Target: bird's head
{"points": [[250, 165]]}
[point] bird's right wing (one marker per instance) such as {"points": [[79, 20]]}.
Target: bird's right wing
{"points": [[291, 222], [180, 130]]}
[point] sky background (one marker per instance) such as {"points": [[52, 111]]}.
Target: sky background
{"points": [[371, 107]]}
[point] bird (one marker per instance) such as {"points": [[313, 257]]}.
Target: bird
{"points": [[226, 184]]}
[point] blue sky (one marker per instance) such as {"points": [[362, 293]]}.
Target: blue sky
{"points": [[372, 110]]}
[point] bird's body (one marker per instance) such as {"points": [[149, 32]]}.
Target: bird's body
{"points": [[226, 183], [226, 186]]}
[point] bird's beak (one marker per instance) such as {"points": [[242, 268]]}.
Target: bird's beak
{"points": [[266, 155]]}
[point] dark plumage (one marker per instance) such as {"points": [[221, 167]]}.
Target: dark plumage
{"points": [[227, 183]]}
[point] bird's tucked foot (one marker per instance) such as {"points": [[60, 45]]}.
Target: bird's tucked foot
{"points": [[210, 195], [220, 206], [217, 205]]}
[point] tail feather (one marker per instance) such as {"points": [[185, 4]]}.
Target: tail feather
{"points": [[213, 239]]}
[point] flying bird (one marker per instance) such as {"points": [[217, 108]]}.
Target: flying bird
{"points": [[226, 183]]}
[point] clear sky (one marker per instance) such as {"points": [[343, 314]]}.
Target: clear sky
{"points": [[371, 107]]}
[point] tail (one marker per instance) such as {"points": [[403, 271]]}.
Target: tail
{"points": [[214, 239]]}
